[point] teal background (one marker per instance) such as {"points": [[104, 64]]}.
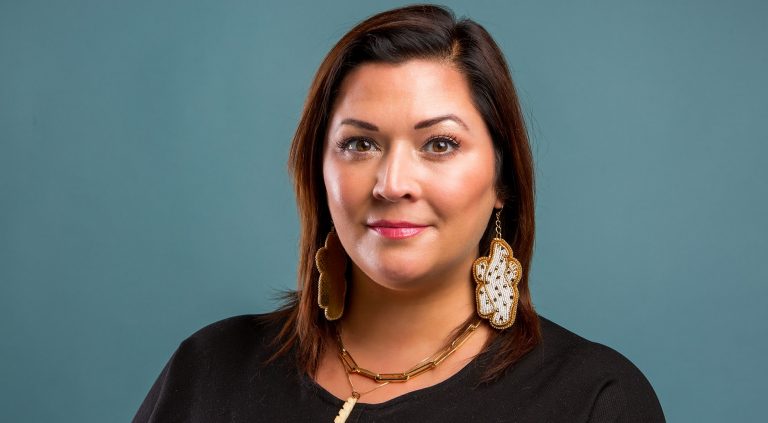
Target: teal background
{"points": [[144, 191]]}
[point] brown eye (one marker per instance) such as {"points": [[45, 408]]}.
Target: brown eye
{"points": [[357, 145], [441, 145], [362, 145]]}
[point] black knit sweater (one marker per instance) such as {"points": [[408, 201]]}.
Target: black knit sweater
{"points": [[218, 375]]}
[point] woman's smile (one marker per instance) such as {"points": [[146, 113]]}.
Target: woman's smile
{"points": [[396, 229]]}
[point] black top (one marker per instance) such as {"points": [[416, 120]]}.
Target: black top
{"points": [[218, 375]]}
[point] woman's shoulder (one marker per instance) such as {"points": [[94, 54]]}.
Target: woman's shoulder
{"points": [[214, 366], [257, 325], [242, 332], [561, 345], [575, 370]]}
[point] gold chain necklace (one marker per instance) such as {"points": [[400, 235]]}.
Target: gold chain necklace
{"points": [[422, 366]]}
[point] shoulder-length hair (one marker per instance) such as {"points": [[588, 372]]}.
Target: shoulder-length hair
{"points": [[395, 36]]}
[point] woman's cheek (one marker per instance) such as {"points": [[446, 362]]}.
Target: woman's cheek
{"points": [[347, 186], [465, 186]]}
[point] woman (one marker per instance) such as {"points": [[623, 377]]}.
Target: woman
{"points": [[414, 183]]}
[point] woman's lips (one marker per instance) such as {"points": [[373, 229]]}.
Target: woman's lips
{"points": [[396, 230]]}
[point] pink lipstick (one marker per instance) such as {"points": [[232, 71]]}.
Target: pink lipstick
{"points": [[396, 230]]}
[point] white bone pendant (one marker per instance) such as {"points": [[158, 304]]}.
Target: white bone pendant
{"points": [[496, 292], [346, 409]]}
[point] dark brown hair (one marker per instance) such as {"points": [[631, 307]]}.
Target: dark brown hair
{"points": [[395, 36]]}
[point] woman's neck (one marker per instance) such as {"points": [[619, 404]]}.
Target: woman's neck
{"points": [[399, 328], [390, 331]]}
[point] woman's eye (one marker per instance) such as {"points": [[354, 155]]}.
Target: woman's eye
{"points": [[441, 145], [357, 145]]}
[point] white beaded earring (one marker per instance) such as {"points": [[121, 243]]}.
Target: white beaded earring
{"points": [[497, 276]]}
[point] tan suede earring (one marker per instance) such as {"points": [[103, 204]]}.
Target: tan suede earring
{"points": [[331, 262]]}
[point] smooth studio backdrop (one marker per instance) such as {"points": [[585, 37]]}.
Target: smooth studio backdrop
{"points": [[144, 192]]}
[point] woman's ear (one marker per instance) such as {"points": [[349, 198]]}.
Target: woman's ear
{"points": [[501, 195], [499, 203]]}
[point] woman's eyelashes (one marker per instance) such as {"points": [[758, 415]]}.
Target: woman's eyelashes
{"points": [[438, 146], [357, 145], [441, 145]]}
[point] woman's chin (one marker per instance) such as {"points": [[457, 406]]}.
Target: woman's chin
{"points": [[404, 270], [402, 277]]}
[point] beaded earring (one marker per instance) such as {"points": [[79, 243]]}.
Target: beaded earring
{"points": [[497, 276]]}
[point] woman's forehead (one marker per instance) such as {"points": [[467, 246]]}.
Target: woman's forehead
{"points": [[404, 94]]}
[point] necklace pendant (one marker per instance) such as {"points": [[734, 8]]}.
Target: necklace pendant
{"points": [[346, 409]]}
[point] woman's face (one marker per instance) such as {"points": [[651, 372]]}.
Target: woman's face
{"points": [[408, 166]]}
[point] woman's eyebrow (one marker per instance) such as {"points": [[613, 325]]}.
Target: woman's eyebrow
{"points": [[434, 121], [360, 124], [421, 125]]}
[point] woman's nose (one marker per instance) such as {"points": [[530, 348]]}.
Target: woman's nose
{"points": [[395, 180]]}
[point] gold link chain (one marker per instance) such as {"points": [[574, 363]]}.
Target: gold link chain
{"points": [[421, 367]]}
